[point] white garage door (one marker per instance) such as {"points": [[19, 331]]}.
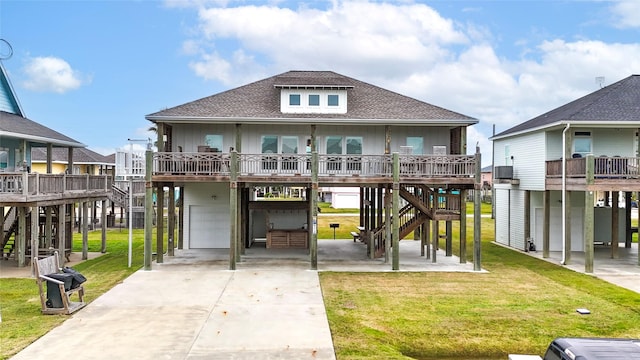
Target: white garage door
{"points": [[208, 227]]}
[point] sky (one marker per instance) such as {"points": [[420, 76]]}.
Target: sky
{"points": [[93, 69]]}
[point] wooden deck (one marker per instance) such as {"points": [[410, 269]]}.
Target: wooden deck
{"points": [[595, 173], [296, 168], [21, 188]]}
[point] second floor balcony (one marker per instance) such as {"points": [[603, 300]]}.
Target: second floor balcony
{"points": [[596, 173], [207, 166], [22, 187]]}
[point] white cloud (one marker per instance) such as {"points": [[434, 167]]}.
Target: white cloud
{"points": [[390, 40], [411, 49], [51, 74], [626, 13]]}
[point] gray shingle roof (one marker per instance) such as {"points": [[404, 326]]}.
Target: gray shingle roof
{"points": [[261, 100], [80, 156], [12, 125], [618, 102]]}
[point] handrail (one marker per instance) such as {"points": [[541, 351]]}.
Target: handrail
{"points": [[604, 167], [217, 164], [21, 183]]}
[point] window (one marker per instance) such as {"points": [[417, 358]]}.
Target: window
{"points": [[334, 146], [314, 100], [269, 146], [294, 99], [289, 146], [332, 100], [214, 142], [582, 142], [354, 147], [415, 142], [4, 158]]}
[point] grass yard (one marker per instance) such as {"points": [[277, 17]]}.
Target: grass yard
{"points": [[519, 306], [22, 323]]}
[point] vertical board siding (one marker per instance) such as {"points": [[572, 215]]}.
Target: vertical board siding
{"points": [[189, 136], [612, 142], [517, 219], [502, 216]]}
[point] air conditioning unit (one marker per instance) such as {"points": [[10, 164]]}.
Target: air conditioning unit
{"points": [[503, 172]]}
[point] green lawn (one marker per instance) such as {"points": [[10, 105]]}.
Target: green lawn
{"points": [[517, 307], [22, 321]]}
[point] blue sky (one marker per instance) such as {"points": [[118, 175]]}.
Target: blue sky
{"points": [[93, 69]]}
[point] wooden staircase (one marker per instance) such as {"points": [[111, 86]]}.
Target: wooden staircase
{"points": [[119, 196], [421, 205], [10, 226]]}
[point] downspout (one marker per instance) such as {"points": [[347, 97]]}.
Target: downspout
{"points": [[564, 191]]}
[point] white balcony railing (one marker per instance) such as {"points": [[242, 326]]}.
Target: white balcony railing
{"points": [[218, 164]]}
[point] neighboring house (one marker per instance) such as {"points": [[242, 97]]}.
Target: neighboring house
{"points": [[549, 171], [487, 177], [85, 161], [221, 149], [24, 193], [342, 197]]}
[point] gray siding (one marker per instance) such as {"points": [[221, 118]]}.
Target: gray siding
{"points": [[527, 156], [189, 136], [516, 221], [502, 216]]}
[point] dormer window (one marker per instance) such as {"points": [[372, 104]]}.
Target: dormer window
{"points": [[294, 99], [320, 98]]}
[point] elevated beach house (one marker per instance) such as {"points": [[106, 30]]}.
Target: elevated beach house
{"points": [[308, 130], [37, 207], [564, 180]]}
